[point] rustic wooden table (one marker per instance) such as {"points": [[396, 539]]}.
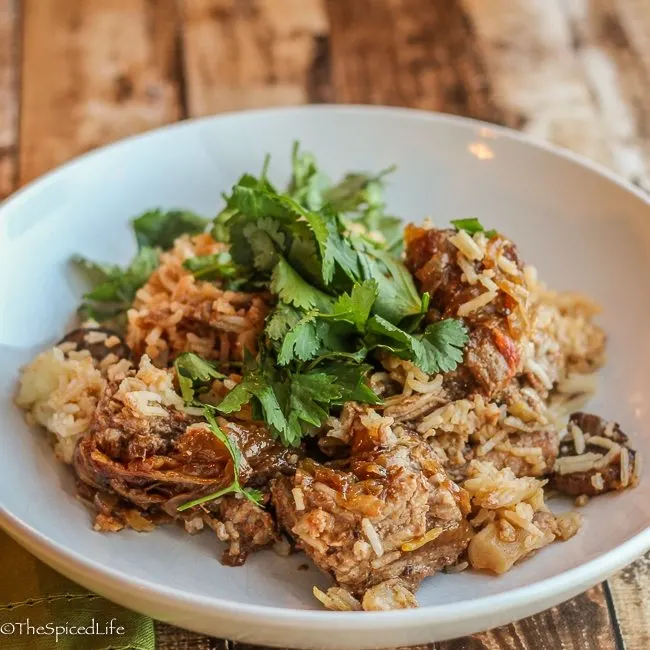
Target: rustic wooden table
{"points": [[76, 74]]}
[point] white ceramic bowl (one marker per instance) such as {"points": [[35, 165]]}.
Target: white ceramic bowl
{"points": [[582, 227]]}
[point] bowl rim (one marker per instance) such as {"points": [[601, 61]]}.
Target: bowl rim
{"points": [[585, 574]]}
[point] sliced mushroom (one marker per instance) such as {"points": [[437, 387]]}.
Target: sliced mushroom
{"points": [[94, 339]]}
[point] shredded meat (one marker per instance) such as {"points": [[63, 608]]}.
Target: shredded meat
{"points": [[244, 525], [157, 463], [547, 441], [382, 513]]}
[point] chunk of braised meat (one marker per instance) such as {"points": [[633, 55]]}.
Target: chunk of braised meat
{"points": [[526, 454], [243, 525], [594, 458], [386, 512], [263, 457], [492, 355], [157, 463], [99, 341]]}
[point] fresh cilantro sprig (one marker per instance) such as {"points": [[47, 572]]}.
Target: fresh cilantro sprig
{"points": [[471, 226], [195, 376], [218, 266], [438, 349], [358, 197], [340, 295], [293, 403], [159, 229], [113, 287]]}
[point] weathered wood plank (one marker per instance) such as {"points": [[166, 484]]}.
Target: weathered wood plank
{"points": [[93, 71], [633, 16], [630, 591], [8, 95], [169, 637], [255, 53], [536, 75], [417, 53], [618, 82], [579, 624]]}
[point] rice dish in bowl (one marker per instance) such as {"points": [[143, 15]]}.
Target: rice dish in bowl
{"points": [[293, 379]]}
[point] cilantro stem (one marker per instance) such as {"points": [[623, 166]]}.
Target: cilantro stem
{"points": [[193, 372], [233, 487], [345, 355]]}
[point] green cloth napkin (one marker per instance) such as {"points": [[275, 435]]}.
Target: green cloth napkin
{"points": [[36, 596]]}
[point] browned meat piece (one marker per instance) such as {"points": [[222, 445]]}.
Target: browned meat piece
{"points": [[159, 462], [492, 356], [431, 257], [263, 456], [383, 513], [594, 458], [244, 525], [530, 464]]}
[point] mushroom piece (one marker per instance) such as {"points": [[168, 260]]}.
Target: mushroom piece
{"points": [[97, 341]]}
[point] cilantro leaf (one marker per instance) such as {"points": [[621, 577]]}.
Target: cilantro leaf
{"points": [[287, 283], [302, 342], [355, 307], [471, 226], [351, 380], [194, 374], [388, 336], [256, 384], [443, 344], [95, 272], [159, 229], [439, 349], [341, 291], [117, 287], [258, 203], [356, 189], [397, 297], [255, 244], [211, 267], [308, 183], [282, 319], [291, 403]]}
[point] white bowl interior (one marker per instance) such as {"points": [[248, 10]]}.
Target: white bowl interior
{"points": [[582, 231]]}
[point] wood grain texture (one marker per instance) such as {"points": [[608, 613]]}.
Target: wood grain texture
{"points": [[93, 71], [630, 591], [417, 53], [8, 95], [618, 82], [537, 77], [169, 637], [254, 53], [579, 624], [571, 73]]}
